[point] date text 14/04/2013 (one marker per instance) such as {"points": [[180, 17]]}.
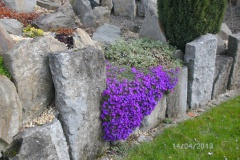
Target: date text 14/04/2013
{"points": [[193, 146]]}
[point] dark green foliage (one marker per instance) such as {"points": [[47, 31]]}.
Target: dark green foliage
{"points": [[3, 70], [185, 20]]}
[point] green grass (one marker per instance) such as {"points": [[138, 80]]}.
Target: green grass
{"points": [[215, 135], [3, 70]]}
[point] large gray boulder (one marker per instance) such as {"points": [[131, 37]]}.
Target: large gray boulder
{"points": [[151, 29], [6, 42], [21, 5], [157, 115], [45, 142], [79, 78], [48, 4], [12, 26], [177, 100], [84, 11], [101, 14], [64, 17], [200, 56], [107, 34], [125, 8], [27, 62], [234, 52], [223, 66], [10, 112]]}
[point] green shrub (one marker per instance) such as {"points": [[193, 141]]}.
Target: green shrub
{"points": [[185, 20], [30, 31], [3, 70]]}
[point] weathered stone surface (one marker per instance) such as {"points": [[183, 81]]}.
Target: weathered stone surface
{"points": [[224, 32], [79, 78], [140, 8], [200, 57], [101, 14], [107, 33], [157, 115], [83, 9], [223, 66], [10, 112], [178, 54], [21, 5], [125, 8], [6, 42], [64, 17], [151, 29], [48, 4], [238, 3], [177, 101], [28, 64], [45, 142], [81, 39], [107, 3], [234, 52], [150, 7], [221, 46], [12, 26]]}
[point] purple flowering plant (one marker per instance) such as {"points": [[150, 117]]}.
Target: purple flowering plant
{"points": [[132, 93]]}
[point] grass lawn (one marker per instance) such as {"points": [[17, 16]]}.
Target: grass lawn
{"points": [[215, 135]]}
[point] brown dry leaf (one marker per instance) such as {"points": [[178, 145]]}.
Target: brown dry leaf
{"points": [[191, 114]]}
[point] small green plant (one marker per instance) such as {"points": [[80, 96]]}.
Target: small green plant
{"points": [[31, 32], [168, 120], [3, 70]]}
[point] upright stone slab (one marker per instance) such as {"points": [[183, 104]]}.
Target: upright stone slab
{"points": [[200, 56], [21, 5], [10, 112], [221, 76], [45, 142], [177, 100], [6, 42], [79, 78], [125, 8], [155, 117], [27, 63]]}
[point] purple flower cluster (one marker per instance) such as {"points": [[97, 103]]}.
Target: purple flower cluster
{"points": [[126, 102]]}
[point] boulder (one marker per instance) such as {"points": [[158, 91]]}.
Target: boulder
{"points": [[43, 143], [21, 5], [151, 29], [108, 4], [157, 115], [84, 11], [27, 63], [177, 100], [6, 42], [12, 26], [10, 112], [199, 57], [79, 77], [223, 66], [64, 17], [125, 8], [234, 52], [150, 7], [47, 4], [224, 32], [101, 14], [81, 39], [107, 34]]}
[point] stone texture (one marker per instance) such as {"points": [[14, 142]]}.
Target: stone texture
{"points": [[6, 42], [150, 7], [101, 14], [12, 26], [224, 32], [48, 4], [64, 17], [107, 3], [221, 46], [79, 78], [10, 112], [234, 52], [21, 5], [178, 54], [81, 39], [45, 142], [200, 57], [177, 100], [223, 66], [27, 63], [140, 8], [151, 29], [157, 115], [107, 34], [84, 11], [125, 8]]}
